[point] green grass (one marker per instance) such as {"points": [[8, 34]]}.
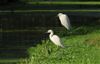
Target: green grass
{"points": [[85, 49], [77, 10], [63, 3], [11, 60]]}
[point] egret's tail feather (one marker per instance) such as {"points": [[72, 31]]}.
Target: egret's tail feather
{"points": [[62, 46], [65, 46]]}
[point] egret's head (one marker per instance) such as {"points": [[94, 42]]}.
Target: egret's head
{"points": [[59, 14], [50, 31]]}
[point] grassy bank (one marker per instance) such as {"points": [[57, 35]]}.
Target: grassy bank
{"points": [[85, 49]]}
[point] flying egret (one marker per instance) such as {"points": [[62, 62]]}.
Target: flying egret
{"points": [[55, 39], [64, 20]]}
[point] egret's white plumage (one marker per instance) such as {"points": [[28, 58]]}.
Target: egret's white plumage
{"points": [[64, 20], [55, 39]]}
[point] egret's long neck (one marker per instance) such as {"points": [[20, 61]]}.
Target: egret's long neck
{"points": [[51, 34]]}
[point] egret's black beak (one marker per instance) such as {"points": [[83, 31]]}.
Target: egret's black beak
{"points": [[47, 33]]}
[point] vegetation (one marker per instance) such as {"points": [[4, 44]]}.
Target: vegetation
{"points": [[68, 3], [79, 10], [56, 0], [83, 49]]}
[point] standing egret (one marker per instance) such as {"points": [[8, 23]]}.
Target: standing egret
{"points": [[64, 20], [55, 39]]}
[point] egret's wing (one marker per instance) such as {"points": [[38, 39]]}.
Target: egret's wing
{"points": [[56, 40], [65, 21]]}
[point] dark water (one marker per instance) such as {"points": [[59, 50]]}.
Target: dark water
{"points": [[15, 44], [22, 36]]}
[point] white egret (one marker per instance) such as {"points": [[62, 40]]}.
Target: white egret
{"points": [[55, 39], [64, 20]]}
